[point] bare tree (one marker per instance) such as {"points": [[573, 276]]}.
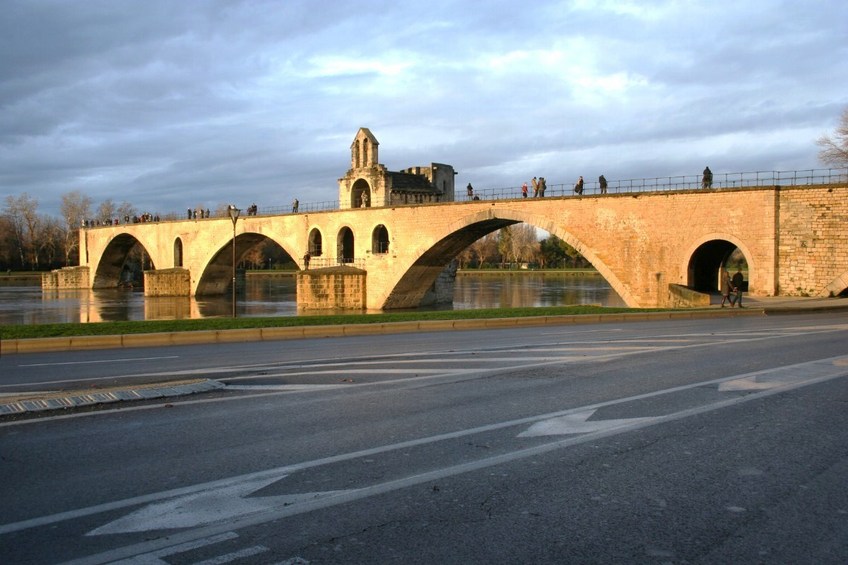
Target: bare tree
{"points": [[75, 209], [22, 211], [834, 150], [106, 210], [51, 240], [484, 250], [518, 243], [126, 210]]}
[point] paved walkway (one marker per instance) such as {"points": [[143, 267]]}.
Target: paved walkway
{"points": [[24, 403]]}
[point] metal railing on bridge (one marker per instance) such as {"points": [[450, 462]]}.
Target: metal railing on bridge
{"points": [[805, 177], [324, 262], [681, 182]]}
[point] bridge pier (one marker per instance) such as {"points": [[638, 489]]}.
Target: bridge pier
{"points": [[167, 282], [66, 278], [331, 288]]}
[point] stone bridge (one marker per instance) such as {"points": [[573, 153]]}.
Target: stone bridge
{"points": [[650, 246]]}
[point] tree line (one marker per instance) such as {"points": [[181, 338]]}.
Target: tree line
{"points": [[32, 241]]}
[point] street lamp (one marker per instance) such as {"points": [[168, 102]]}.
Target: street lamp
{"points": [[234, 215]]}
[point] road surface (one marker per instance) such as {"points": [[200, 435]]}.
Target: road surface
{"points": [[709, 441]]}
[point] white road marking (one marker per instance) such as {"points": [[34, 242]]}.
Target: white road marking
{"points": [[805, 374], [234, 556], [207, 506], [95, 361], [746, 384]]}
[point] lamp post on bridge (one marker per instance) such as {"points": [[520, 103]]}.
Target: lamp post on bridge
{"points": [[234, 216]]}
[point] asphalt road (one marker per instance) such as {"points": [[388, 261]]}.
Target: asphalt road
{"points": [[711, 441]]}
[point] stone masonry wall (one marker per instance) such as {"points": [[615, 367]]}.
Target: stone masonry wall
{"points": [[334, 288], [813, 241], [167, 282], [66, 278]]}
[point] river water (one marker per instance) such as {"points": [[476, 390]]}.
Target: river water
{"points": [[276, 296]]}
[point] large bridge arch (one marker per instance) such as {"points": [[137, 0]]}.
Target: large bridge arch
{"points": [[415, 281], [114, 266], [217, 272]]}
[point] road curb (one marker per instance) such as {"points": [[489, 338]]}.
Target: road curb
{"points": [[50, 344], [44, 401]]}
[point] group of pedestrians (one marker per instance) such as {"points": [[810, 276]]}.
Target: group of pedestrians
{"points": [[540, 185], [193, 214], [136, 219], [731, 288]]}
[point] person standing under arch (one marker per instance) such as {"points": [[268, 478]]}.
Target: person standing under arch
{"points": [[738, 281], [726, 286]]}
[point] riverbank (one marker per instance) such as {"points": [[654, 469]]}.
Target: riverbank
{"points": [[20, 279], [228, 330]]}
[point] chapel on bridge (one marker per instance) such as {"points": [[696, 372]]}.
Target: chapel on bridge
{"points": [[368, 183]]}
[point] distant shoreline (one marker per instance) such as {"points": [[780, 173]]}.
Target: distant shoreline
{"points": [[21, 279]]}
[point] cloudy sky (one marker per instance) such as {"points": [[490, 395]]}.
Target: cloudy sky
{"points": [[169, 104]]}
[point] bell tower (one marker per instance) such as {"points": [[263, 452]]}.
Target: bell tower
{"points": [[364, 150]]}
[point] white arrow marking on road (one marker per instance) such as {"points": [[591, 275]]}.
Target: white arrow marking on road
{"points": [[205, 507], [577, 424]]}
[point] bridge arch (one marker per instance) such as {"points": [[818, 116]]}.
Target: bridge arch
{"points": [[217, 273], [421, 275], [837, 287], [122, 263], [553, 226]]}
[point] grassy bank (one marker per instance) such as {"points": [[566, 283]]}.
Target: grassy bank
{"points": [[121, 328]]}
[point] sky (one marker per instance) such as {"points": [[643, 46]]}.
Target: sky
{"points": [[173, 104]]}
